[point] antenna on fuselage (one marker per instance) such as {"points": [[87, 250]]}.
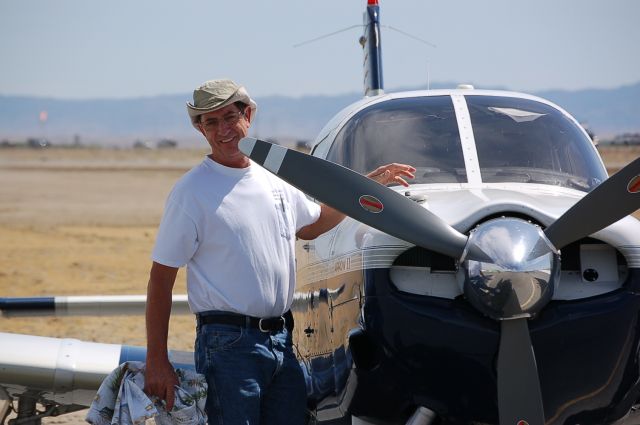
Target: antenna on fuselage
{"points": [[372, 48], [326, 35], [428, 43]]}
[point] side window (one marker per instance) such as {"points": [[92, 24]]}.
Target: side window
{"points": [[421, 131]]}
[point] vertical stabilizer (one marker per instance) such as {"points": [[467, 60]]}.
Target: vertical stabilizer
{"points": [[372, 49]]}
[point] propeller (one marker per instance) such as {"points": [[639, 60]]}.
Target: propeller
{"points": [[512, 287], [613, 199], [96, 305], [519, 393], [357, 196]]}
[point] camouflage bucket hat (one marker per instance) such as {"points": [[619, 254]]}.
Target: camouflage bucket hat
{"points": [[216, 94]]}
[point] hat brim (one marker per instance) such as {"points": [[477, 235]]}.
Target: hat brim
{"points": [[240, 95]]}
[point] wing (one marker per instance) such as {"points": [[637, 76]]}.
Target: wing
{"points": [[62, 375]]}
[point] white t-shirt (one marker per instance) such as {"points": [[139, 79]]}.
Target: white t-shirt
{"points": [[235, 230]]}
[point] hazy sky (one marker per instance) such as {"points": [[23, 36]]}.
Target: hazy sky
{"points": [[131, 48]]}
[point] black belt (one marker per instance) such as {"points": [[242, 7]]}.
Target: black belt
{"points": [[268, 324]]}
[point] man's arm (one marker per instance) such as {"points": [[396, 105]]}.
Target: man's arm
{"points": [[160, 377], [329, 217]]}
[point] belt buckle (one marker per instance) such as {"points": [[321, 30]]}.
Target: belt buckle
{"points": [[260, 326], [269, 330]]}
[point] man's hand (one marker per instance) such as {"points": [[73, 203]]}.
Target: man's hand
{"points": [[392, 173], [159, 381], [159, 377], [329, 217]]}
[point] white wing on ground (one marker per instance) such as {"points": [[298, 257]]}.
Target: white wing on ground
{"points": [[61, 375]]}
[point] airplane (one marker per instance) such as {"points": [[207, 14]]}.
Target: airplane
{"points": [[501, 287]]}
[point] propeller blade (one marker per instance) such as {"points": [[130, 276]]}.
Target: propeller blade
{"points": [[519, 394], [92, 305], [358, 197], [613, 199]]}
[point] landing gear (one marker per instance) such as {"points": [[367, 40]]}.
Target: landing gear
{"points": [[26, 411], [422, 416]]}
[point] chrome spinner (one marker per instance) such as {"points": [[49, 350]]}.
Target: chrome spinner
{"points": [[519, 271]]}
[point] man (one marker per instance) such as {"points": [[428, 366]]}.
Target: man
{"points": [[234, 225]]}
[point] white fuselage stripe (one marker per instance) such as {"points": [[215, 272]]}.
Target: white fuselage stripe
{"points": [[467, 139]]}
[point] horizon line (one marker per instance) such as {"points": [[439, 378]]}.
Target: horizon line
{"points": [[438, 85]]}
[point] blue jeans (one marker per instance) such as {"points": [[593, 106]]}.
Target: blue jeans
{"points": [[253, 376]]}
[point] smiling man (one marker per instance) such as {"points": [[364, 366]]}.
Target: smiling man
{"points": [[234, 224]]}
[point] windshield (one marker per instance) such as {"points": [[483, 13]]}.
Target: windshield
{"points": [[420, 131], [517, 140], [521, 140]]}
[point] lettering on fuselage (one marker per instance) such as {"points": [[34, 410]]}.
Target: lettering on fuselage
{"points": [[342, 265]]}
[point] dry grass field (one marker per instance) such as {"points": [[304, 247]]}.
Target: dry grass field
{"points": [[83, 222], [616, 157]]}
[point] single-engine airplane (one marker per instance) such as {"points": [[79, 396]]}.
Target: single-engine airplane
{"points": [[500, 288]]}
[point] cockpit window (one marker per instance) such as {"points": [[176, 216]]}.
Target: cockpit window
{"points": [[517, 140], [420, 131], [521, 140]]}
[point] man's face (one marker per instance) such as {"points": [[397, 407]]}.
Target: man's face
{"points": [[223, 129]]}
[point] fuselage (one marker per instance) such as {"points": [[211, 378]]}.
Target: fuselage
{"points": [[384, 327]]}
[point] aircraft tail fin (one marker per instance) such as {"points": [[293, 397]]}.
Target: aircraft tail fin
{"points": [[372, 49]]}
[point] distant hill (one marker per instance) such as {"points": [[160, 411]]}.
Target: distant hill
{"points": [[606, 111], [122, 121]]}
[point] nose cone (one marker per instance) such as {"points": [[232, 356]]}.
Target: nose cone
{"points": [[519, 273]]}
